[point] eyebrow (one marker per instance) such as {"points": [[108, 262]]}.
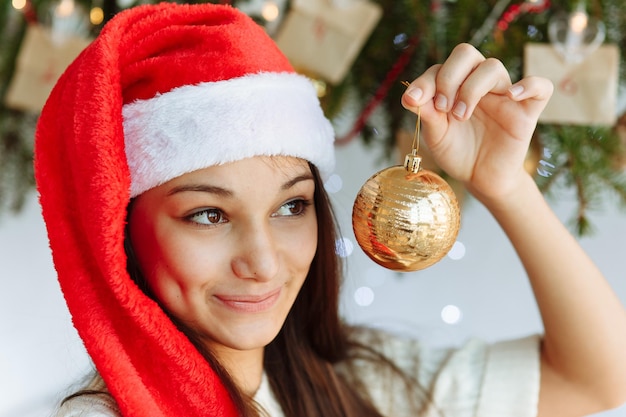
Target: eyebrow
{"points": [[294, 181], [223, 192], [201, 188]]}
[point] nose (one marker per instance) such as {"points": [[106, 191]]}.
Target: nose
{"points": [[256, 254]]}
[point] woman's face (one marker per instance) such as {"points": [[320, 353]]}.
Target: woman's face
{"points": [[226, 249]]}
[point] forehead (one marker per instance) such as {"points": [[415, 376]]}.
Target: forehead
{"points": [[248, 170], [288, 164]]}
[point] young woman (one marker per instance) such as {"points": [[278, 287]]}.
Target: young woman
{"points": [[180, 162]]}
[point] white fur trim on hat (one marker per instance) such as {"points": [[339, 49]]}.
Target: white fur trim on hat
{"points": [[197, 126]]}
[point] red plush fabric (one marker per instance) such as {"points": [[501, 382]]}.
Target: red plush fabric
{"points": [[161, 51], [150, 368]]}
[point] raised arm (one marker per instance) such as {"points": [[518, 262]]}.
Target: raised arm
{"points": [[478, 125]]}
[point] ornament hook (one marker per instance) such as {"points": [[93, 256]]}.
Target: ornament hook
{"points": [[412, 161]]}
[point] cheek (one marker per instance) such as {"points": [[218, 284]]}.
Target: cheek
{"points": [[171, 264], [144, 246], [303, 246], [142, 237]]}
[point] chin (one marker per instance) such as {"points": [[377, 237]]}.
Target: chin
{"points": [[254, 336]]}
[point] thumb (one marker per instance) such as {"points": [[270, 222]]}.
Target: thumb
{"points": [[433, 123], [534, 91]]}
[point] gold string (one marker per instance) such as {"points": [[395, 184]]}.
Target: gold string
{"points": [[417, 124]]}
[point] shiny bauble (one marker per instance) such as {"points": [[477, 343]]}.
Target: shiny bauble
{"points": [[406, 221]]}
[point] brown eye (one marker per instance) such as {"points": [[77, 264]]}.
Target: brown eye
{"points": [[208, 216], [292, 208]]}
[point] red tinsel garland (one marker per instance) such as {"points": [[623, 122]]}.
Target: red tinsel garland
{"points": [[380, 94]]}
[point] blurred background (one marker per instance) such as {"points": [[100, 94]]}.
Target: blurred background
{"points": [[356, 52]]}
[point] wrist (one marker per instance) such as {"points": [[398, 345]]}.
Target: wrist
{"points": [[515, 196]]}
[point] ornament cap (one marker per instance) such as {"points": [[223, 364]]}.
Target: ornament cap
{"points": [[412, 162]]}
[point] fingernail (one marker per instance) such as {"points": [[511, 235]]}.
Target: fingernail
{"points": [[516, 90], [441, 102], [415, 93], [460, 109]]}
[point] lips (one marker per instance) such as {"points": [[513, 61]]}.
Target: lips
{"points": [[250, 303]]}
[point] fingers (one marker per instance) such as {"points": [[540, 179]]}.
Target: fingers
{"points": [[459, 83], [490, 76], [465, 78]]}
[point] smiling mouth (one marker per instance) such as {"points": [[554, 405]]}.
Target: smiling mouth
{"points": [[250, 303]]}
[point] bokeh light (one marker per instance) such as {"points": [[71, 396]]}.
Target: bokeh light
{"points": [[457, 251], [344, 247], [18, 4], [96, 16], [364, 296], [451, 314], [334, 184], [270, 11]]}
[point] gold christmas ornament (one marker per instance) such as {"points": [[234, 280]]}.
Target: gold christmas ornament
{"points": [[406, 218]]}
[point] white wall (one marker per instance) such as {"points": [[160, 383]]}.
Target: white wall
{"points": [[40, 354]]}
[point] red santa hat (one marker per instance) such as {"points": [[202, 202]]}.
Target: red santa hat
{"points": [[162, 91]]}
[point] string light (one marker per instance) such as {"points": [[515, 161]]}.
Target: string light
{"points": [[578, 21], [270, 11], [96, 16], [18, 4]]}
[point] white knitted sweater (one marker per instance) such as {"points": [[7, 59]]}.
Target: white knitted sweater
{"points": [[474, 380]]}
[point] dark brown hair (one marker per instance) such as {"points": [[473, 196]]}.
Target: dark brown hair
{"points": [[299, 362]]}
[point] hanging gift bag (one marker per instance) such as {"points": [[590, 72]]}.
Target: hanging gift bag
{"points": [[585, 93], [324, 37], [41, 61]]}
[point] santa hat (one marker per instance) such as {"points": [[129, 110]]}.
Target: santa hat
{"points": [[162, 91]]}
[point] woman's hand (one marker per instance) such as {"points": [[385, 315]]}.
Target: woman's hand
{"points": [[475, 122]]}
